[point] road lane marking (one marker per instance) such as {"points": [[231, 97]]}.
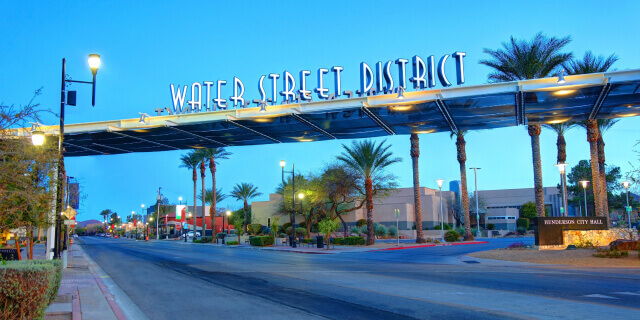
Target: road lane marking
{"points": [[602, 296], [627, 293]]}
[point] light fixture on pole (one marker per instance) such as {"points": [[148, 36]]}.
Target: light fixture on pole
{"points": [[475, 175], [293, 200], [300, 196], [397, 214], [564, 210], [584, 188], [263, 106], [625, 184], [561, 79], [94, 64], [401, 93], [440, 181], [225, 231], [37, 136]]}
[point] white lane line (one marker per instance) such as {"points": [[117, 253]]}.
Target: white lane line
{"points": [[602, 296], [627, 293]]}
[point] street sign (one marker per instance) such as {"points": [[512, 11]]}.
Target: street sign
{"points": [[397, 213], [629, 209], [184, 225], [561, 210]]}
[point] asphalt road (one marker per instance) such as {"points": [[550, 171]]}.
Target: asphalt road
{"points": [[174, 280]]}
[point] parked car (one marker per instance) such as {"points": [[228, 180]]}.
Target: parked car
{"points": [[190, 234]]}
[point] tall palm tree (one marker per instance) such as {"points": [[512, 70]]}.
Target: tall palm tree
{"points": [[105, 213], [417, 207], [244, 192], [521, 60], [462, 159], [191, 161], [593, 64], [369, 160], [213, 154], [560, 129], [209, 194]]}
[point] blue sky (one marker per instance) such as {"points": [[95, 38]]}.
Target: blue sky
{"points": [[147, 45]]}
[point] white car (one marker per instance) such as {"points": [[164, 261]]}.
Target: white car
{"points": [[190, 234]]}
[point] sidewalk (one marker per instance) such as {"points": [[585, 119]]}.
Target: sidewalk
{"points": [[84, 295]]}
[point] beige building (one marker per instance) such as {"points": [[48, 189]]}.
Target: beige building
{"points": [[383, 209]]}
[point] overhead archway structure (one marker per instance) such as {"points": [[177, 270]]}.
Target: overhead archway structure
{"points": [[488, 106]]}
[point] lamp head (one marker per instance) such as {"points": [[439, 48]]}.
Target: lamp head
{"points": [[37, 137], [179, 198], [561, 79], [142, 206], [228, 212], [584, 183], [301, 195], [625, 184], [94, 62], [561, 167], [440, 181], [400, 93], [282, 163]]}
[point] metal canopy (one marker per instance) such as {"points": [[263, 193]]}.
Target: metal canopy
{"points": [[538, 101]]}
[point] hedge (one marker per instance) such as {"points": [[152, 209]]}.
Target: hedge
{"points": [[353, 241], [27, 288], [338, 241], [523, 223], [262, 241], [299, 231], [232, 243], [361, 222], [206, 239], [255, 228]]}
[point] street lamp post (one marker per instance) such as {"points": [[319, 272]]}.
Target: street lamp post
{"points": [[625, 184], [397, 213], [563, 177], [225, 231], [133, 216], [94, 64], [158, 199], [293, 199], [440, 181], [584, 188], [180, 199], [475, 175]]}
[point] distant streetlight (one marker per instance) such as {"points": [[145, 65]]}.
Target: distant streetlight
{"points": [[180, 199], [584, 188], [440, 181], [625, 184], [475, 175], [564, 210], [397, 214], [223, 230]]}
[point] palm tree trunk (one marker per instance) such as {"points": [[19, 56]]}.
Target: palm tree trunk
{"points": [[195, 204], [603, 175], [534, 132], [592, 137], [245, 208], [562, 158], [462, 159], [204, 223], [368, 186], [417, 207], [214, 197]]}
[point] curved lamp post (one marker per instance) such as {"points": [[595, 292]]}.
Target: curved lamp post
{"points": [[564, 210], [625, 184], [584, 188], [94, 64], [440, 181]]}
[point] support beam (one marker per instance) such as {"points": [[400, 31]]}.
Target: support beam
{"points": [[144, 140], [444, 110], [520, 115], [84, 148], [253, 131], [598, 104], [310, 124], [377, 120], [171, 125], [113, 148]]}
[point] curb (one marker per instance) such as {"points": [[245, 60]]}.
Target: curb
{"points": [[430, 245]]}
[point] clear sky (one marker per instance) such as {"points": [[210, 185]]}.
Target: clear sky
{"points": [[147, 45]]}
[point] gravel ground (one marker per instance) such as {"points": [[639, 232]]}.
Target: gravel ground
{"points": [[580, 257]]}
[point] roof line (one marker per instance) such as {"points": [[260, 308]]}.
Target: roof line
{"points": [[604, 93]]}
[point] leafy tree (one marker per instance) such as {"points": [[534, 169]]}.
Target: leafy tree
{"points": [[528, 210], [79, 230], [370, 160], [328, 226], [582, 172], [191, 161], [245, 192], [521, 60]]}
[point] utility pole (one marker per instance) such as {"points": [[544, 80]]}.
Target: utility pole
{"points": [[159, 198]]}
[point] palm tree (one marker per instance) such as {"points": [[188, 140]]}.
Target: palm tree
{"points": [[462, 159], [417, 207], [592, 64], [105, 213], [521, 60], [212, 154], [209, 194], [244, 192], [191, 162], [560, 129], [369, 160]]}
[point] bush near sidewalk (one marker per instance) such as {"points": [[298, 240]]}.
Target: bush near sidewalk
{"points": [[28, 287], [262, 241], [452, 236]]}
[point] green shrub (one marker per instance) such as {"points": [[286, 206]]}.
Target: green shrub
{"points": [[363, 230], [353, 241], [307, 240], [460, 230], [491, 226], [255, 228], [220, 235], [262, 241], [232, 243], [381, 231], [446, 227], [523, 223], [299, 232], [197, 240], [429, 240], [608, 253], [521, 230], [206, 239], [393, 231], [283, 235], [27, 288], [436, 241], [355, 230], [426, 228], [286, 225], [452, 236], [361, 222], [55, 285], [338, 241], [302, 225]]}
